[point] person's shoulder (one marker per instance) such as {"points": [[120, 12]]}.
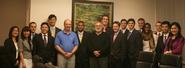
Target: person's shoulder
{"points": [[87, 32], [58, 28], [73, 33], [8, 40], [60, 32], [137, 31], [37, 36]]}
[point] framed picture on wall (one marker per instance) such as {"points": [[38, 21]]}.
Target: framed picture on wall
{"points": [[90, 12]]}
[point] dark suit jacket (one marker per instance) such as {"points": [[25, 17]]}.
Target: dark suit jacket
{"points": [[56, 30], [82, 54], [158, 50], [118, 48], [45, 52], [126, 32], [10, 53], [83, 46], [135, 44]]}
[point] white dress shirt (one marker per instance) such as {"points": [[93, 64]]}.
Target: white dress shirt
{"points": [[46, 37], [165, 36], [52, 29], [80, 35]]}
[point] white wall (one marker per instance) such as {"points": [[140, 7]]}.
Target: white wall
{"points": [[41, 9], [172, 10]]}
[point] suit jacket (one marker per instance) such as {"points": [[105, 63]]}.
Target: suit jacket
{"points": [[126, 32], [10, 52], [56, 31], [83, 46], [135, 44], [46, 52], [158, 51], [118, 48], [82, 54]]}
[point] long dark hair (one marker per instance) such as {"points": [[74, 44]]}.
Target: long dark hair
{"points": [[10, 32], [179, 28], [25, 29]]}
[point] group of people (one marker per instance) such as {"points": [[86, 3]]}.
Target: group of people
{"points": [[105, 47]]}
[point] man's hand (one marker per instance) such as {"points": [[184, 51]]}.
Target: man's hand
{"points": [[168, 52], [96, 53], [68, 55]]}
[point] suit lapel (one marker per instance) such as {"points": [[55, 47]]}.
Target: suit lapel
{"points": [[41, 39], [112, 38], [132, 34], [83, 37], [117, 38], [78, 37]]}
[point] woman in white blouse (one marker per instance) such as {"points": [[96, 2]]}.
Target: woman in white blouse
{"points": [[148, 40]]}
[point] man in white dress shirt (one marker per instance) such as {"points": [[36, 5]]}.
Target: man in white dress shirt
{"points": [[158, 31]]}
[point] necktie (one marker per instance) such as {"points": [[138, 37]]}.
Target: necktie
{"points": [[165, 38], [45, 41]]}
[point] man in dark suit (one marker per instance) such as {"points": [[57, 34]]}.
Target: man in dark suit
{"points": [[43, 47], [141, 23], [33, 26], [160, 43], [53, 30], [135, 43], [123, 26], [82, 54], [118, 47]]}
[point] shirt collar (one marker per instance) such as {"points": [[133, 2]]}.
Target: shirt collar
{"points": [[116, 33], [67, 33], [131, 30], [44, 34], [166, 34], [80, 32], [52, 27], [123, 30]]}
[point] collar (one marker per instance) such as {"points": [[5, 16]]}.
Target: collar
{"points": [[66, 32], [166, 34], [80, 32], [98, 33], [116, 33], [131, 30], [123, 29], [52, 27], [44, 34]]}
